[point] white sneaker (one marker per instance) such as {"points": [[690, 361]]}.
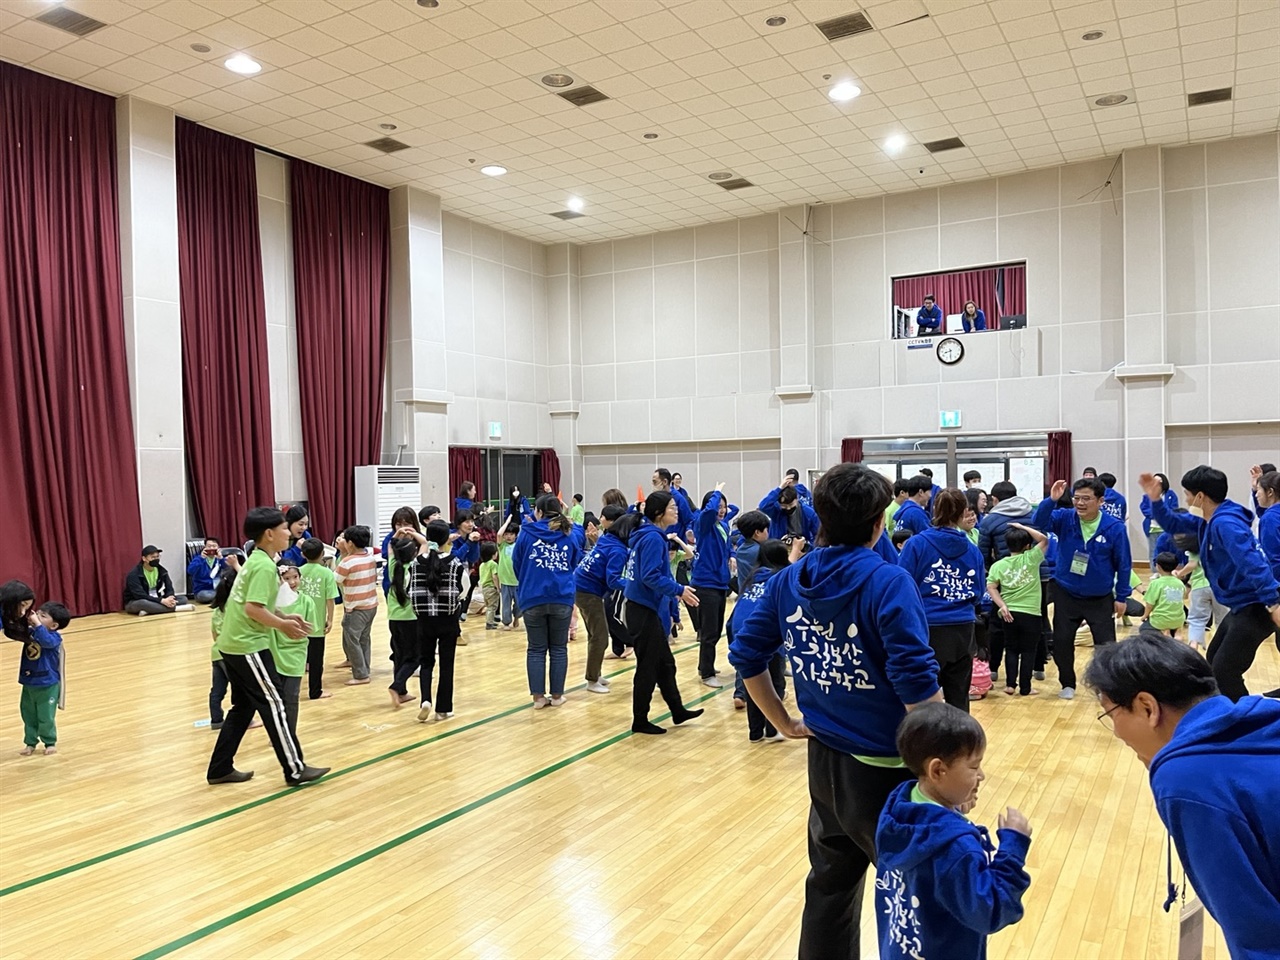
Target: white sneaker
{"points": [[558, 701], [775, 738], [1068, 693], [142, 613], [443, 715], [425, 713], [603, 679], [713, 682], [183, 608], [597, 687]]}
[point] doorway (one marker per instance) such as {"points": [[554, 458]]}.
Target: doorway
{"points": [[1018, 458]]}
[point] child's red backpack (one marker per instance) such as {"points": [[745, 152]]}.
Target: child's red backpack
{"points": [[980, 685]]}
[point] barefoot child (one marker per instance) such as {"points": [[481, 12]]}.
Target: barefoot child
{"points": [[40, 673], [941, 886]]}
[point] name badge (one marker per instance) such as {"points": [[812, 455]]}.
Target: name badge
{"points": [[1079, 563]]}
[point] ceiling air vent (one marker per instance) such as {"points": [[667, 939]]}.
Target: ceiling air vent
{"points": [[74, 23], [1208, 96], [568, 214], [938, 146], [849, 25], [387, 145], [581, 96], [735, 184]]}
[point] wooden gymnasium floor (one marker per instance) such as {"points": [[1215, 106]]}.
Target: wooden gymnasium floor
{"points": [[502, 833]]}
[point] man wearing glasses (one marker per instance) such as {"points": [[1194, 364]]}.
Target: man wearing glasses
{"points": [[1215, 778], [1091, 573]]}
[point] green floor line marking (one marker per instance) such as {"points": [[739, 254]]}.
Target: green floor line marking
{"points": [[286, 792], [358, 859]]}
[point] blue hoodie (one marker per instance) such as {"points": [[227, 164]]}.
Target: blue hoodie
{"points": [[711, 562], [749, 598], [1269, 538], [41, 662], [599, 570], [911, 516], [544, 561], [1233, 560], [294, 554], [854, 631], [1216, 785], [779, 525], [647, 578], [947, 570], [885, 549], [930, 318], [939, 889], [1170, 500], [1114, 503], [1167, 543], [1108, 552], [200, 576], [802, 492], [462, 503]]}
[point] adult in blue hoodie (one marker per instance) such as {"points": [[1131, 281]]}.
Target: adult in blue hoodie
{"points": [[1266, 496], [710, 577], [788, 517], [204, 571], [912, 515], [1215, 778], [1090, 573], [947, 569], [1237, 569], [546, 554], [774, 556], [601, 564], [1113, 502], [802, 492], [928, 318], [1153, 531], [649, 587], [854, 629], [465, 500]]}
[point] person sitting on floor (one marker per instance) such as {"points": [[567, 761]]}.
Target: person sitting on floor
{"points": [[148, 589], [205, 570]]}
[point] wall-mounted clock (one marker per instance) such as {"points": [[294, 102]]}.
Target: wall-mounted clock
{"points": [[950, 351]]}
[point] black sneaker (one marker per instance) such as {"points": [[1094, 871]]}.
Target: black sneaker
{"points": [[216, 726], [308, 774], [235, 776]]}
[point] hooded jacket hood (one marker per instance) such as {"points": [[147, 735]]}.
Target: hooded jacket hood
{"points": [[827, 577], [1218, 727], [951, 542], [1013, 507], [910, 833]]}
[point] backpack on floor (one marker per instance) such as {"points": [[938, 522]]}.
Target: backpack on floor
{"points": [[980, 685]]}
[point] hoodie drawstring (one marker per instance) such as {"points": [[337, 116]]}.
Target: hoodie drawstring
{"points": [[1171, 896]]}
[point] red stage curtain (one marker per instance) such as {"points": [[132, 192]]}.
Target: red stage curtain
{"points": [[851, 450], [340, 236], [952, 290], [225, 375], [1060, 458], [549, 470], [67, 466], [464, 464]]}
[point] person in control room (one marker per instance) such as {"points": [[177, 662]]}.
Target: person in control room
{"points": [[929, 318], [973, 318]]}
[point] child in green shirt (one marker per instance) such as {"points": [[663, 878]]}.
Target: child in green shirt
{"points": [[401, 618], [289, 654], [1201, 600], [316, 580], [490, 586], [1013, 584], [507, 580], [1163, 600], [577, 512]]}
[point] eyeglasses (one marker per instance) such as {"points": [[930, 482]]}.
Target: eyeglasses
{"points": [[1083, 499], [1107, 720]]}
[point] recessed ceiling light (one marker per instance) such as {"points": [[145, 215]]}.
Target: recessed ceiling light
{"points": [[493, 170], [1092, 35], [576, 204], [558, 80], [386, 126], [201, 47], [895, 144], [651, 136], [844, 91], [722, 175], [243, 64], [775, 21], [1112, 100]]}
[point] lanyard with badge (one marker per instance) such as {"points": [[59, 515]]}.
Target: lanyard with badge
{"points": [[1080, 559]]}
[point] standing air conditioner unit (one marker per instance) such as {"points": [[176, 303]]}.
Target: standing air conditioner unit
{"points": [[380, 491]]}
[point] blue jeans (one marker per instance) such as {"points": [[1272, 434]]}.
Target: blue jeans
{"points": [[1152, 539], [547, 629], [510, 608], [1201, 610]]}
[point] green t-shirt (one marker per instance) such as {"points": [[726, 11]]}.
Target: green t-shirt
{"points": [[577, 513], [890, 512], [886, 763], [506, 569], [1018, 577], [1090, 527], [1165, 594], [152, 576], [972, 534], [258, 582], [919, 796], [1134, 580], [1198, 579], [290, 656], [318, 583], [488, 570], [215, 624], [395, 609]]}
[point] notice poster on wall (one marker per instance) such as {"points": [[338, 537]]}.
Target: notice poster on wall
{"points": [[1027, 474]]}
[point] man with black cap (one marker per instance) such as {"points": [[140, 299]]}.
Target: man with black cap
{"points": [[148, 589]]}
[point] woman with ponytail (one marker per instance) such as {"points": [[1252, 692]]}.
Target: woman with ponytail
{"points": [[439, 582], [546, 554], [401, 618]]}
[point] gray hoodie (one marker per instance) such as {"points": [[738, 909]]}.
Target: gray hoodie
{"points": [[991, 531]]}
